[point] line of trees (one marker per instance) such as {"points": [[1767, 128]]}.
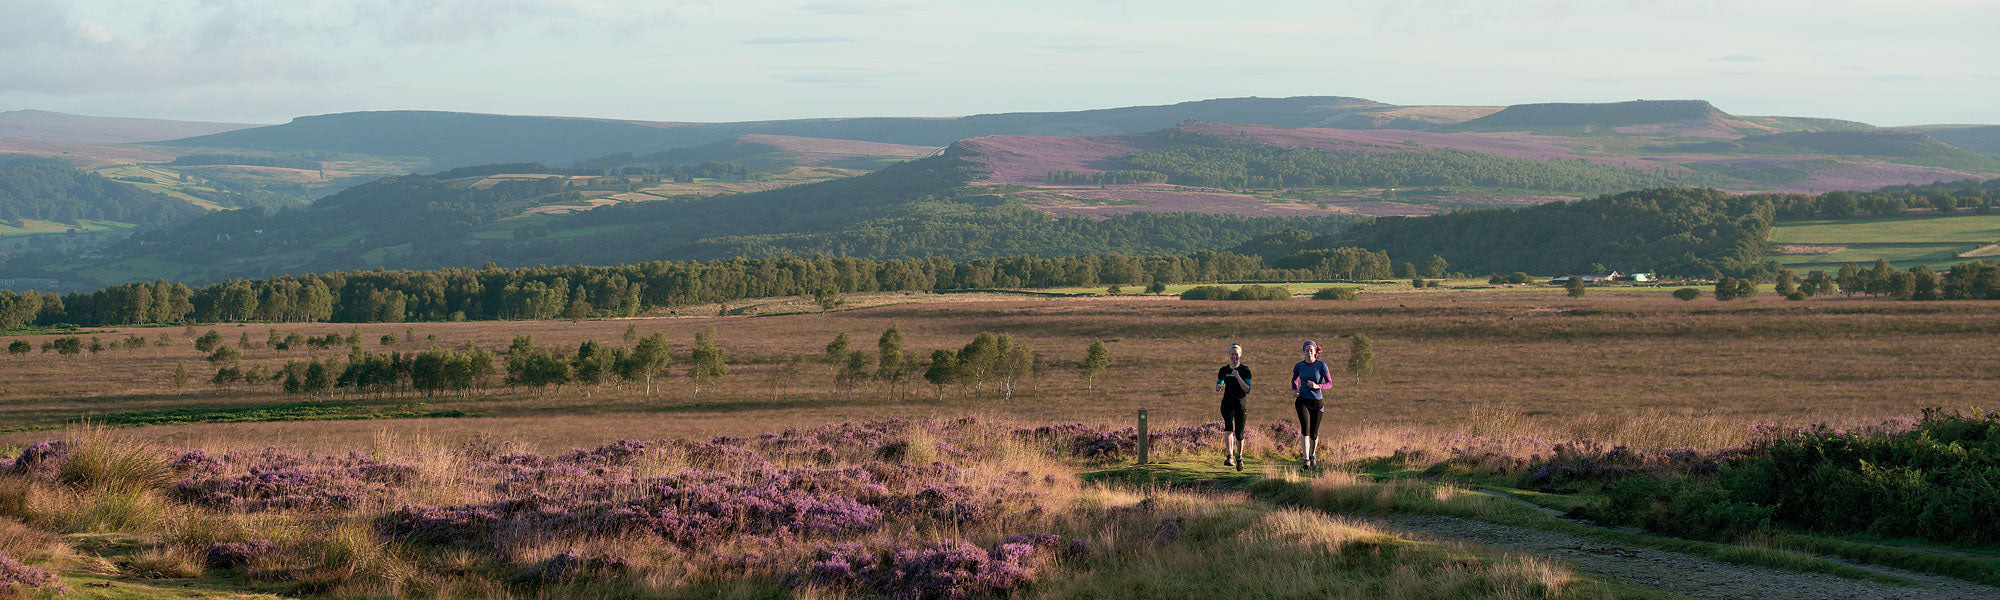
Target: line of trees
{"points": [[586, 291], [987, 359], [1971, 280], [463, 371], [1124, 176]]}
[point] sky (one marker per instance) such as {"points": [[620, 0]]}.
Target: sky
{"points": [[1887, 63]]}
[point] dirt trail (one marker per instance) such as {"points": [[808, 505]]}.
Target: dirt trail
{"points": [[1680, 573]]}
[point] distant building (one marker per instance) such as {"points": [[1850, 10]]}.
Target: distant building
{"points": [[1640, 278], [1592, 278]]}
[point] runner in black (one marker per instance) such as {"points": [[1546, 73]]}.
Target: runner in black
{"points": [[1234, 383], [1309, 378]]}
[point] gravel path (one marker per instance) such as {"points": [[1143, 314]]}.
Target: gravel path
{"points": [[1681, 573]]}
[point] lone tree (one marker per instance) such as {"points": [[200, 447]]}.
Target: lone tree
{"points": [[1360, 356], [1575, 287], [1012, 360], [208, 341], [650, 357], [828, 298], [1725, 289], [709, 362], [1157, 287], [853, 373], [942, 371], [1436, 267], [1094, 363], [1787, 282], [977, 360], [836, 350], [889, 353]]}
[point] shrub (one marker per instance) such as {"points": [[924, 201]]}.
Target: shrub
{"points": [[1335, 293], [1246, 292], [1687, 294], [208, 341], [233, 555], [1933, 481], [225, 354], [19, 347]]}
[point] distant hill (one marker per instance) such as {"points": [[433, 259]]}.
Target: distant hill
{"points": [[42, 125], [1984, 139], [1608, 117], [447, 138], [44, 189], [454, 139]]}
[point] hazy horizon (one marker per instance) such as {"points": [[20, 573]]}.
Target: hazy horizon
{"points": [[1908, 64]]}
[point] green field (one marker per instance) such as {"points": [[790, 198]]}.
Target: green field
{"points": [[1982, 229], [1900, 255], [34, 227], [1905, 241]]}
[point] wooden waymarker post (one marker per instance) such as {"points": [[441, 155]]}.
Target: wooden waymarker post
{"points": [[1142, 436]]}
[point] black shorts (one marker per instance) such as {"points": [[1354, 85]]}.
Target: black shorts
{"points": [[1233, 417], [1310, 410]]}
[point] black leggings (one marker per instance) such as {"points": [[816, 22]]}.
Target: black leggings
{"points": [[1233, 417], [1309, 410]]}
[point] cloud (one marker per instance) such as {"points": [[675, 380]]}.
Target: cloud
{"points": [[1599, 81], [1079, 45], [824, 39], [1737, 58], [51, 51], [1894, 78], [858, 9]]}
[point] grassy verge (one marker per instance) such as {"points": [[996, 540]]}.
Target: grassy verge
{"points": [[1911, 555], [295, 411], [1346, 493]]}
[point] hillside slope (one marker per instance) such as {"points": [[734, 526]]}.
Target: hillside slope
{"points": [[42, 125], [471, 216], [1984, 139], [43, 189]]}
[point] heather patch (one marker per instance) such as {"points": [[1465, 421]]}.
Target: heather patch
{"points": [[17, 579], [275, 480], [953, 569]]}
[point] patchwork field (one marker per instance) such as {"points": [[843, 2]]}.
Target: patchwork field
{"points": [[1937, 241]]}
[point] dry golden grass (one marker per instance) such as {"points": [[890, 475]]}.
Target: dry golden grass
{"points": [[1626, 366]]}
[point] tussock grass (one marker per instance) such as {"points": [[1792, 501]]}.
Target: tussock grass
{"points": [[106, 460], [164, 562]]}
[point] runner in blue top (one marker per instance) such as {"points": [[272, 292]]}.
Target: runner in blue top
{"points": [[1310, 378], [1234, 383]]}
